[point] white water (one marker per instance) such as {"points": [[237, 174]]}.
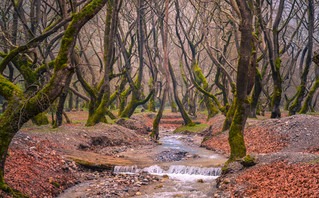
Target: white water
{"points": [[184, 176], [178, 172]]}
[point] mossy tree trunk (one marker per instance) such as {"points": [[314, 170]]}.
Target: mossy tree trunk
{"points": [[229, 115], [192, 103], [301, 90], [200, 78], [151, 104], [103, 97], [22, 109], [236, 131], [136, 88], [164, 33], [308, 100], [70, 103], [274, 55], [187, 120], [60, 107], [171, 101], [31, 80], [100, 96], [256, 93], [195, 72], [40, 119]]}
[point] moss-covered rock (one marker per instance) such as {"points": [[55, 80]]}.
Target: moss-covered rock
{"points": [[248, 160]]}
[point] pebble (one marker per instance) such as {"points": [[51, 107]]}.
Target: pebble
{"points": [[227, 181], [108, 184]]}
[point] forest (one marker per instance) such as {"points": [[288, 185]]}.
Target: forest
{"points": [[223, 92]]}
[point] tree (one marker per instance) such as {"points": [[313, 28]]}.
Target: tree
{"points": [[296, 106], [236, 131], [164, 33], [20, 107]]}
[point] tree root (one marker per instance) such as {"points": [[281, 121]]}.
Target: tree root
{"points": [[12, 192]]}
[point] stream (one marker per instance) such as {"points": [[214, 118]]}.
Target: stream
{"points": [[187, 170]]}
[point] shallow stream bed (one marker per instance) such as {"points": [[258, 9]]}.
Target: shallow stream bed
{"points": [[184, 169]]}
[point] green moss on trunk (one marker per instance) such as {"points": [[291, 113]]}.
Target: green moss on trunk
{"points": [[40, 119], [236, 138], [276, 98], [307, 102], [229, 115], [200, 78]]}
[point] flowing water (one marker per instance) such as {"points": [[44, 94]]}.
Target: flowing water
{"points": [[187, 169], [194, 177]]}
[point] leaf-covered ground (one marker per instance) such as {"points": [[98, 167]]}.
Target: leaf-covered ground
{"points": [[35, 169], [280, 179], [287, 150]]}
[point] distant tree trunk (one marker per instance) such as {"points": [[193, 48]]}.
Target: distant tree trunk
{"points": [[103, 99], [192, 103], [211, 108], [70, 101], [301, 90], [60, 107], [274, 56], [136, 89], [308, 100], [173, 105], [255, 95], [186, 118], [151, 104], [164, 33], [236, 136]]}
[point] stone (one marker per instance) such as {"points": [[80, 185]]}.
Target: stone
{"points": [[159, 186], [226, 180]]}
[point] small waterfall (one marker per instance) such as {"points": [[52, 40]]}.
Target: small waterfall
{"points": [[155, 169], [184, 170], [173, 170], [126, 169]]}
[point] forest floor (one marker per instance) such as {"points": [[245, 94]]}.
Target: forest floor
{"points": [[287, 152], [42, 161]]}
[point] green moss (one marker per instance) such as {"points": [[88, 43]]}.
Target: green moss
{"points": [[236, 138], [40, 119], [200, 78], [82, 162], [8, 89], [278, 63], [195, 128], [305, 106], [93, 166], [314, 161], [183, 73], [9, 190], [248, 161], [229, 115]]}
